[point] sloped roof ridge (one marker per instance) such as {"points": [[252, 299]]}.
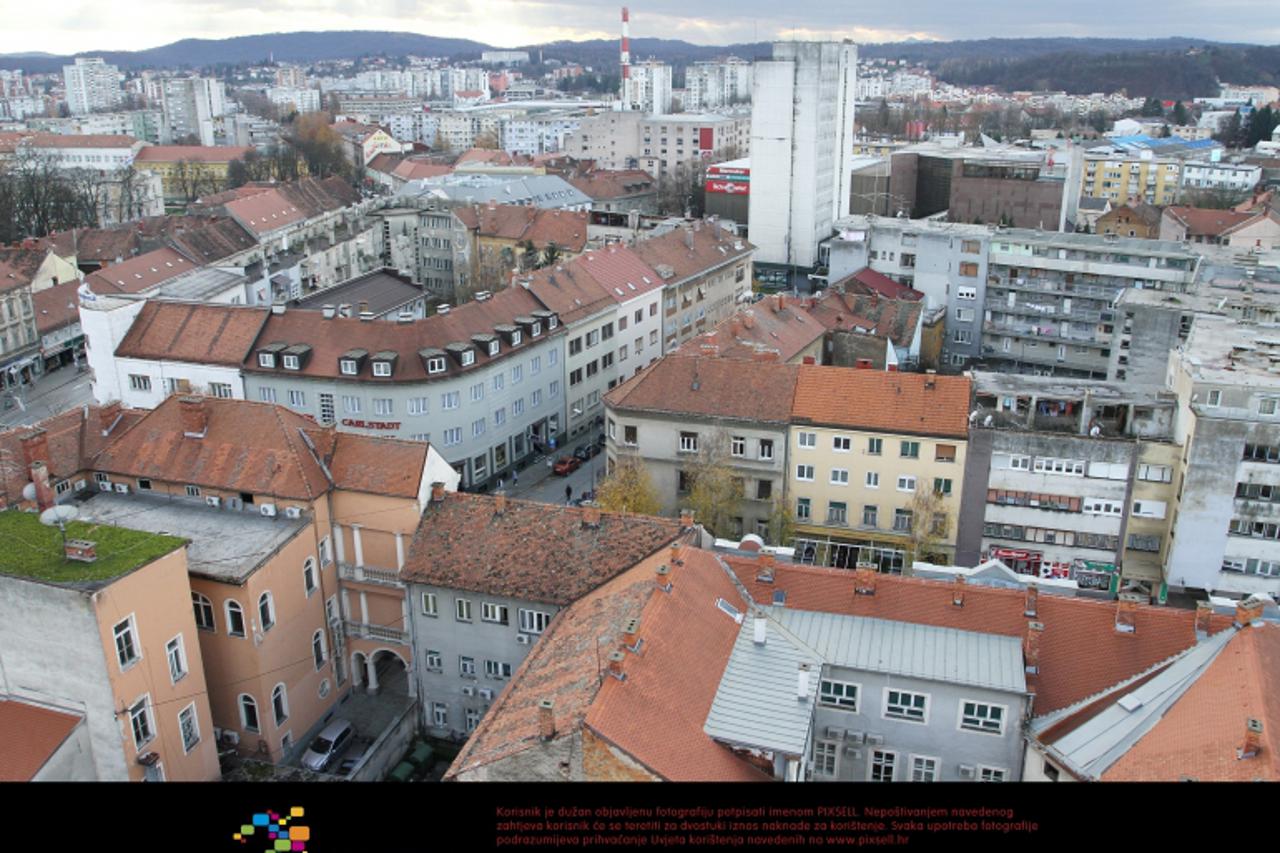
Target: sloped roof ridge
{"points": [[293, 452]]}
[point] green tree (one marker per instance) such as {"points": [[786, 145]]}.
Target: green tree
{"points": [[1152, 108], [550, 254], [782, 523], [629, 489], [715, 491], [528, 256], [930, 525], [1181, 117]]}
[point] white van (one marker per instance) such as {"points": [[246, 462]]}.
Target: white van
{"points": [[328, 745]]}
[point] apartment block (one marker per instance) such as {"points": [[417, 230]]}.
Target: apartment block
{"points": [[91, 84]]}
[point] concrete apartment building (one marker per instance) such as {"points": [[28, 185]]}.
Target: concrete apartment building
{"points": [[647, 88], [801, 148], [686, 409], [128, 191], [91, 84], [192, 107], [715, 84], [661, 145], [858, 475], [473, 627]]}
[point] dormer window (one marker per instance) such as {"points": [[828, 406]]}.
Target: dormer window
{"points": [[468, 358], [553, 322], [493, 347], [290, 362], [535, 330], [435, 364], [267, 359], [348, 366], [515, 338], [381, 368]]}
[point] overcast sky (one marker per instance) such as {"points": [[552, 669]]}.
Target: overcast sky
{"points": [[70, 26]]}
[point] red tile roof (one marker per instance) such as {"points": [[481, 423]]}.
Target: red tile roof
{"points": [[725, 388], [566, 228], [1199, 735], [1207, 222], [569, 291], [712, 247], [907, 403], [19, 266], [776, 324], [56, 306], [607, 184], [867, 280], [484, 155], [415, 170], [140, 273], [200, 334], [620, 271], [370, 464], [191, 153], [532, 551], [656, 715], [86, 140], [74, 437], [893, 319], [1081, 653], [29, 736], [262, 213]]}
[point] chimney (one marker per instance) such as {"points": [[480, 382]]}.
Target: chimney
{"points": [[748, 320], [437, 493], [329, 312], [44, 491], [1126, 612], [802, 682], [1247, 611], [35, 447], [759, 632], [591, 517], [1031, 651], [864, 582], [195, 417], [615, 665], [664, 577], [499, 503], [779, 302], [957, 591], [764, 354], [630, 629], [686, 518], [688, 238], [1204, 614], [364, 306], [109, 416], [1252, 739], [735, 325], [80, 550], [1033, 595], [546, 719]]}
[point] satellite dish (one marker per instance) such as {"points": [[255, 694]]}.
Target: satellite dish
{"points": [[29, 492], [59, 514]]}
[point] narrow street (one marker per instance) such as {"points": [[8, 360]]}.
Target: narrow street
{"points": [[52, 393], [538, 483]]}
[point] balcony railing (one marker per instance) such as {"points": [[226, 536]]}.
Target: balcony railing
{"points": [[385, 577], [377, 632]]}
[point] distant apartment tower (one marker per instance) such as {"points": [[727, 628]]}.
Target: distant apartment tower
{"points": [[648, 88], [91, 84], [709, 85], [801, 148], [193, 106]]}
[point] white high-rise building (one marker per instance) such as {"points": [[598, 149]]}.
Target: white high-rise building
{"points": [[710, 85], [193, 106], [91, 84], [648, 88], [801, 148]]}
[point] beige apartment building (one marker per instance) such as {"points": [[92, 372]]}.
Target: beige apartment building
{"points": [[870, 451]]}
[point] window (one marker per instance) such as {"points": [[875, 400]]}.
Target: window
{"points": [[882, 765], [220, 389], [553, 389], [824, 757], [466, 666], [235, 619], [435, 364], [451, 400], [477, 392], [982, 717], [416, 406], [462, 610], [944, 453], [738, 446], [127, 648], [452, 436], [808, 439], [924, 769], [969, 269], [440, 714], [575, 346], [910, 450], [280, 704], [764, 490], [622, 353], [517, 374], [841, 443], [839, 694], [802, 509], [533, 621], [348, 367], [1268, 405], [535, 365], [942, 486], [553, 357], [966, 293], [875, 446], [766, 448], [869, 513], [177, 656], [318, 649], [499, 381], [805, 473], [204, 611], [992, 774], [902, 519], [350, 405], [140, 720], [266, 611], [497, 669], [593, 336], [839, 476], [873, 480], [477, 427], [1155, 473], [468, 357], [248, 713], [575, 377], [906, 483], [493, 613], [630, 435], [904, 705], [139, 383], [500, 416], [1049, 465], [297, 399], [291, 363], [688, 442], [837, 513], [1020, 463]]}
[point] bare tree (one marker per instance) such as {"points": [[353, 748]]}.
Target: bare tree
{"points": [[930, 524], [715, 490]]}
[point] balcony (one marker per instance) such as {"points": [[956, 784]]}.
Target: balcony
{"points": [[364, 574], [1042, 331], [360, 630]]}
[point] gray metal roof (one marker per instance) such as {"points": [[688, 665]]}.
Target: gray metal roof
{"points": [[756, 704], [904, 648], [1101, 741], [549, 191], [382, 290], [200, 284]]}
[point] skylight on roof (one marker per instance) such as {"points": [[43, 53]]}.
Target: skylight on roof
{"points": [[734, 613]]}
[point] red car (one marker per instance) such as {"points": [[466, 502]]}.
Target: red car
{"points": [[566, 465]]}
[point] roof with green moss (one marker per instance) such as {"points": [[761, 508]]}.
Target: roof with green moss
{"points": [[29, 549]]}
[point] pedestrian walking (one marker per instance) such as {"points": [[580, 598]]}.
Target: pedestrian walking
{"points": [[515, 479], [499, 484], [568, 495]]}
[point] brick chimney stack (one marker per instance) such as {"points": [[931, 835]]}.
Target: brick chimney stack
{"points": [[1204, 613], [1252, 739], [615, 665], [1031, 653], [44, 491], [499, 503], [1247, 611], [546, 719], [35, 447], [591, 516], [1033, 600], [195, 416], [437, 492], [864, 582], [1126, 615]]}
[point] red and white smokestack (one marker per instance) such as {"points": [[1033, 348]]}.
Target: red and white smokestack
{"points": [[626, 44]]}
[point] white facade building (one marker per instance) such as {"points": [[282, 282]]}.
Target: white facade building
{"points": [[647, 88], [709, 85], [1226, 177], [91, 84]]}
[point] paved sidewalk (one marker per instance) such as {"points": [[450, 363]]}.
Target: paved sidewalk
{"points": [[538, 483]]}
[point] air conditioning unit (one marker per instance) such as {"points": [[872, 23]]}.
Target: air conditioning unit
{"points": [[213, 501], [269, 510], [229, 737], [835, 734], [293, 512], [486, 694], [875, 740], [852, 752], [522, 639], [122, 488], [855, 737], [80, 485], [967, 771], [468, 691], [104, 486]]}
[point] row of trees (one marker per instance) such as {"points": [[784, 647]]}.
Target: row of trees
{"points": [[1240, 132], [38, 198]]}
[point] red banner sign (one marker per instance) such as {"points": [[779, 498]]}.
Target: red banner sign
{"points": [[728, 187]]}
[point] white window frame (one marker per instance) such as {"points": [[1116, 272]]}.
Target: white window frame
{"points": [[498, 670], [130, 634], [804, 473], [175, 653], [688, 442], [806, 440], [462, 610], [319, 659], [309, 582], [841, 443], [203, 605], [382, 368], [839, 698], [962, 718], [498, 614], [906, 482], [738, 445], [468, 358], [226, 612], [872, 480], [875, 446], [892, 755], [533, 621], [886, 707], [283, 692], [435, 364], [466, 666], [430, 605], [839, 477], [761, 454], [141, 709], [987, 770], [922, 765], [435, 660], [190, 712], [244, 719], [830, 753], [291, 362], [267, 622], [348, 367], [440, 715]]}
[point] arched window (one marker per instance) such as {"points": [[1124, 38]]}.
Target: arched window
{"points": [[280, 704], [309, 576], [204, 611], [235, 618], [266, 612], [317, 648], [249, 713]]}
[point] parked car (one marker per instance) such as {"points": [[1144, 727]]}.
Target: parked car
{"points": [[328, 745], [582, 454], [566, 465], [593, 449]]}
